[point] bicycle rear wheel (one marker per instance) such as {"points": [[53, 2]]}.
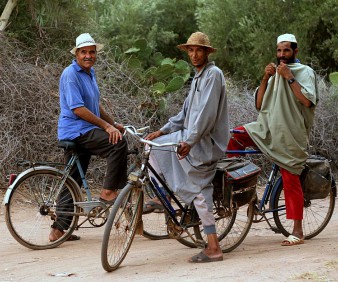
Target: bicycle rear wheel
{"points": [[124, 219], [233, 226], [317, 213], [35, 203]]}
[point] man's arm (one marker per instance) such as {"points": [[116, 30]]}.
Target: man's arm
{"points": [[105, 116], [284, 71], [114, 134], [270, 70], [110, 120]]}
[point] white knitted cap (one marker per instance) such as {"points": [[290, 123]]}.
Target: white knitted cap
{"points": [[286, 37]]}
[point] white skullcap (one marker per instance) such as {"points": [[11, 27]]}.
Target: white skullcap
{"points": [[286, 37]]}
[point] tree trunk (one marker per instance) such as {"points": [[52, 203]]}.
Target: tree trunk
{"points": [[7, 13]]}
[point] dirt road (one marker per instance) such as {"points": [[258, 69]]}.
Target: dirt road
{"points": [[259, 258]]}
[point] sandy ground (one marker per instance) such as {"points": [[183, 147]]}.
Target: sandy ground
{"points": [[259, 258]]}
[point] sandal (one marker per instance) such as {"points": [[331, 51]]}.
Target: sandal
{"points": [[73, 237], [152, 206], [292, 241], [202, 257]]}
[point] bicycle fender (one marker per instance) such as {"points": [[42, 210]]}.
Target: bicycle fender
{"points": [[278, 183], [23, 174]]}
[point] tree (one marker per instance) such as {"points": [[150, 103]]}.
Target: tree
{"points": [[245, 32], [7, 13], [49, 27], [164, 24]]}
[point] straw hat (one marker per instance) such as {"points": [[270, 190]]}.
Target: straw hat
{"points": [[84, 40], [286, 37], [197, 39]]}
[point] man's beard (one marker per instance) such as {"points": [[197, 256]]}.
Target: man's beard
{"points": [[288, 60]]}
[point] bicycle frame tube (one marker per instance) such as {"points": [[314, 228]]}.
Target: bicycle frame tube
{"points": [[75, 159], [167, 205], [270, 190], [83, 178]]}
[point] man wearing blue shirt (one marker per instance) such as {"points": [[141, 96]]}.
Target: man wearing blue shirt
{"points": [[84, 121]]}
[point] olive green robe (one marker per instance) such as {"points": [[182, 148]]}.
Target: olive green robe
{"points": [[283, 124]]}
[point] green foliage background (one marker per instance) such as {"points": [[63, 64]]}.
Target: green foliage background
{"points": [[244, 32]]}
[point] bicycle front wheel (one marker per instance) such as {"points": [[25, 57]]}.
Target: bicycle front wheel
{"points": [[37, 200], [122, 224], [317, 213]]}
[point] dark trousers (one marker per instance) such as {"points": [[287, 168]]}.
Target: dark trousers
{"points": [[94, 142]]}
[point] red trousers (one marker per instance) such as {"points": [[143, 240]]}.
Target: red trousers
{"points": [[293, 193]]}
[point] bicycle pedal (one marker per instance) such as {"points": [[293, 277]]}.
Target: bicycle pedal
{"points": [[200, 244]]}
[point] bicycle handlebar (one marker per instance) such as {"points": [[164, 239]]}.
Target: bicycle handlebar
{"points": [[139, 132]]}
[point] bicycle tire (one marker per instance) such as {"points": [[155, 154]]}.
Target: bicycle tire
{"points": [[33, 206], [154, 224], [317, 213], [123, 221], [233, 229]]}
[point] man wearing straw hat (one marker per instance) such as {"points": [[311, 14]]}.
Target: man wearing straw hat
{"points": [[286, 99], [201, 128], [83, 120]]}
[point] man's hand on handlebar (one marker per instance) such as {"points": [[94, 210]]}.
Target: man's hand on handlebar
{"points": [[114, 134], [183, 150], [119, 126]]}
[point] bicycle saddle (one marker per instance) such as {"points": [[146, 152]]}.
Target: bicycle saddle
{"points": [[67, 145]]}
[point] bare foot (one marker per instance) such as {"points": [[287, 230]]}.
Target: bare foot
{"points": [[108, 195], [55, 234], [213, 253]]}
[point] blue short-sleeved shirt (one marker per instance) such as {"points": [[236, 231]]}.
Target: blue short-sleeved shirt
{"points": [[77, 89]]}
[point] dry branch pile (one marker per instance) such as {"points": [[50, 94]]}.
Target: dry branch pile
{"points": [[29, 108]]}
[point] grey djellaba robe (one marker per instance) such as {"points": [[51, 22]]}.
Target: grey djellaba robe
{"points": [[203, 124]]}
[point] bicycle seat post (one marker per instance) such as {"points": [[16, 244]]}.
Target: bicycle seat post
{"points": [[72, 148]]}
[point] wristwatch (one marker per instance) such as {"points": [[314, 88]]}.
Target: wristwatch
{"points": [[292, 80]]}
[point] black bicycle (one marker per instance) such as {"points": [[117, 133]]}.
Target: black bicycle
{"points": [[233, 215]]}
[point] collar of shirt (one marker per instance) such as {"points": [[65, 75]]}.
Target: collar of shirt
{"points": [[79, 69], [199, 74]]}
